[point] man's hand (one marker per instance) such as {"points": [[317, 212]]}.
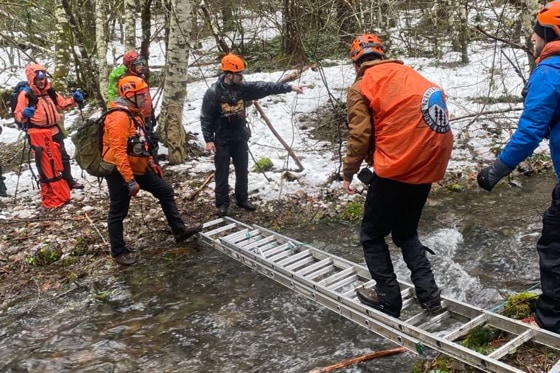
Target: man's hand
{"points": [[29, 112], [347, 188], [488, 177], [156, 169], [133, 188], [298, 88], [211, 147]]}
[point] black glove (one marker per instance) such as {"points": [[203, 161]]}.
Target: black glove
{"points": [[488, 177]]}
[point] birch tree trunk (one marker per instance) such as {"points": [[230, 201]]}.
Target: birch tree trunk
{"points": [[129, 25], [170, 128], [61, 47], [528, 12], [101, 30]]}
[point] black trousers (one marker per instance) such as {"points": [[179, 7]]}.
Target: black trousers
{"points": [[395, 208], [238, 152], [547, 314], [67, 171], [120, 202]]}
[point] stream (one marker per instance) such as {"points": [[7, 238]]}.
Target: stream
{"points": [[200, 311]]}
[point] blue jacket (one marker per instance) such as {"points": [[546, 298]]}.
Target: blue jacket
{"points": [[541, 112]]}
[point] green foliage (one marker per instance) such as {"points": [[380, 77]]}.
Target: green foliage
{"points": [[479, 338], [521, 305], [263, 164], [44, 256], [353, 211]]}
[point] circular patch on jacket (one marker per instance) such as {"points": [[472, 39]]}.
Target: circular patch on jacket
{"points": [[434, 110]]}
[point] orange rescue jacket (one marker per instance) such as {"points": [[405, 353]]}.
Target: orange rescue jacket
{"points": [[413, 139], [46, 111], [117, 131]]}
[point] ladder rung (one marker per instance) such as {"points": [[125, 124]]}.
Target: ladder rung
{"points": [[304, 261], [294, 258], [311, 268], [433, 320], [336, 276], [241, 236], [259, 243], [512, 345], [220, 229], [465, 328], [344, 282], [234, 235], [275, 250], [280, 255], [323, 271]]}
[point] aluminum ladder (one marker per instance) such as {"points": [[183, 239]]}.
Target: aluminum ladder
{"points": [[331, 281]]}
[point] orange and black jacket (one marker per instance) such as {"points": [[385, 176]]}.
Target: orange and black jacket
{"points": [[405, 116], [46, 110], [119, 128]]}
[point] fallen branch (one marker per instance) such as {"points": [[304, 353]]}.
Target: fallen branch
{"points": [[286, 146], [492, 112], [97, 230], [196, 192], [359, 359]]}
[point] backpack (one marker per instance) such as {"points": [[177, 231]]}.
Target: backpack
{"points": [[112, 88], [31, 97], [88, 142]]}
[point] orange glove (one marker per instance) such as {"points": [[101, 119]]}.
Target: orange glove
{"points": [[156, 169]]}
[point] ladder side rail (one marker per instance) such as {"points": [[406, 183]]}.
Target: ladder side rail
{"points": [[384, 325]]}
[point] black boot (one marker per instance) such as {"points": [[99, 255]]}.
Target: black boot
{"points": [[371, 298], [247, 206]]}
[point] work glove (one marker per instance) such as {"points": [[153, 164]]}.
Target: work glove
{"points": [[29, 112], [488, 177], [133, 188], [156, 169], [78, 96]]}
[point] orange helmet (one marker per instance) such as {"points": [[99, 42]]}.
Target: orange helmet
{"points": [[549, 16], [232, 63], [131, 86], [366, 44]]}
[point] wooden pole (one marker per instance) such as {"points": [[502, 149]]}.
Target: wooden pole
{"points": [[196, 192], [286, 146], [359, 359]]}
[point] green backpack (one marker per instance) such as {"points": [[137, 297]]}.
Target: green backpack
{"points": [[112, 88], [88, 143]]}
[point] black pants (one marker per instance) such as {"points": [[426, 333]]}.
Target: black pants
{"points": [[67, 171], [395, 208], [547, 314], [120, 202], [239, 153]]}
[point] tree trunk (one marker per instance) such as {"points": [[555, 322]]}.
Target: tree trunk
{"points": [[292, 44], [170, 129], [527, 10], [129, 20], [61, 48], [101, 30]]}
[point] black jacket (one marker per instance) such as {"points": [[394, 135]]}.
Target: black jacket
{"points": [[223, 114]]}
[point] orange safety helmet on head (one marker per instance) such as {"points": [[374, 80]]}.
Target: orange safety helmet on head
{"points": [[549, 17], [366, 44], [131, 86], [232, 63]]}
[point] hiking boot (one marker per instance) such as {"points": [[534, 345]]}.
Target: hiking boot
{"points": [[222, 211], [369, 297], [76, 185], [433, 308], [188, 233], [247, 206], [125, 259]]}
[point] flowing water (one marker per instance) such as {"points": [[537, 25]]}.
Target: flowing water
{"points": [[200, 311]]}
